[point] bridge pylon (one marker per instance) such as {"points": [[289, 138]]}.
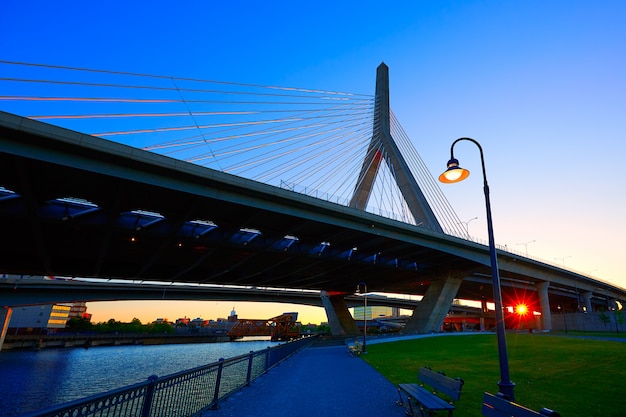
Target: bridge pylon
{"points": [[431, 311], [383, 147]]}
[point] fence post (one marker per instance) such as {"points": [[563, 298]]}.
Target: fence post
{"points": [[250, 360], [147, 399], [218, 380], [267, 359]]}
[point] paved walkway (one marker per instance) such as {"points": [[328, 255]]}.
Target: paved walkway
{"points": [[316, 382]]}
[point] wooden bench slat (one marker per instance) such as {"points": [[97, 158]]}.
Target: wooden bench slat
{"points": [[429, 400], [425, 397], [450, 387], [494, 406]]}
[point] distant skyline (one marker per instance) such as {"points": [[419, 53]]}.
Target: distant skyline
{"points": [[540, 84], [149, 311]]}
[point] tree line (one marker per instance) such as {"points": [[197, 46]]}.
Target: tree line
{"points": [[115, 326]]}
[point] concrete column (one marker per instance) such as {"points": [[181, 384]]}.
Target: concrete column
{"points": [[483, 311], [611, 305], [5, 318], [544, 303], [430, 313], [340, 320], [587, 297]]}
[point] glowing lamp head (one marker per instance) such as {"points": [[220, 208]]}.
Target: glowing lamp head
{"points": [[454, 173]]}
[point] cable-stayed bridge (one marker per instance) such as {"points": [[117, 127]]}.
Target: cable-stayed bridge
{"points": [[365, 207], [309, 141]]}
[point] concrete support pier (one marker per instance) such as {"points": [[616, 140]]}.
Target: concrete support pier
{"points": [[430, 313], [340, 320], [544, 303], [587, 297]]}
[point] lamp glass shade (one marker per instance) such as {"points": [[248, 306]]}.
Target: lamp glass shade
{"points": [[454, 173]]}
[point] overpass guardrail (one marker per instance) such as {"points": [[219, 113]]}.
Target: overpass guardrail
{"points": [[183, 394]]}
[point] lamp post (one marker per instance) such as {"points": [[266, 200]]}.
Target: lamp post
{"points": [[455, 173], [467, 226], [562, 259], [526, 246], [562, 311], [364, 292]]}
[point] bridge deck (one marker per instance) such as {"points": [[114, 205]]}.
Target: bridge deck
{"points": [[79, 206]]}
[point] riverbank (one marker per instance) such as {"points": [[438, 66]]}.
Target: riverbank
{"points": [[37, 342]]}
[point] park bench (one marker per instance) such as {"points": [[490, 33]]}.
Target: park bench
{"points": [[429, 401], [499, 406], [356, 349]]}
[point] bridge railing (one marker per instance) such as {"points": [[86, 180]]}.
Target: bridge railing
{"points": [[183, 394]]}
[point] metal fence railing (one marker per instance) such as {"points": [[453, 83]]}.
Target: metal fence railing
{"points": [[183, 394]]}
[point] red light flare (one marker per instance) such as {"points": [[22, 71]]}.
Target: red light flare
{"points": [[524, 305], [521, 309]]}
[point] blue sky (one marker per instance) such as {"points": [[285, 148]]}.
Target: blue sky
{"points": [[540, 84]]}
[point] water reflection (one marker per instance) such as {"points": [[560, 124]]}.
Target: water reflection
{"points": [[33, 380]]}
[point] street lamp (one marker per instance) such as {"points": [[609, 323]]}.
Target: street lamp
{"points": [[455, 173], [467, 226], [562, 311], [562, 259], [364, 292], [526, 246]]}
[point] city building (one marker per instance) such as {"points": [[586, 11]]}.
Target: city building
{"points": [[78, 310], [374, 312], [39, 319]]}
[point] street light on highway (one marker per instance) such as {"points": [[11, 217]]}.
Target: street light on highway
{"points": [[453, 174], [467, 226], [562, 259], [526, 246]]}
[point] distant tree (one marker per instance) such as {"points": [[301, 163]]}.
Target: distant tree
{"points": [[111, 326], [79, 324], [323, 329], [160, 328], [604, 318], [134, 326]]}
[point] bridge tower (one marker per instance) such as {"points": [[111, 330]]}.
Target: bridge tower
{"points": [[430, 313], [383, 147]]}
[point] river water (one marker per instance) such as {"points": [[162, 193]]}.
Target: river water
{"points": [[31, 380]]}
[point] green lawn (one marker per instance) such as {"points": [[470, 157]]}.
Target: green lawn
{"points": [[576, 377]]}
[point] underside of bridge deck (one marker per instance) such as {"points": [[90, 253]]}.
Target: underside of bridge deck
{"points": [[79, 206], [73, 205]]}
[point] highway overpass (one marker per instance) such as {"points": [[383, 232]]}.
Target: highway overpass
{"points": [[79, 206]]}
